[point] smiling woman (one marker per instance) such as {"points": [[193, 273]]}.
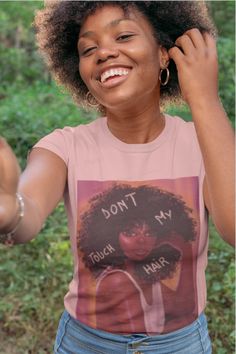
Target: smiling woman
{"points": [[130, 45], [137, 183]]}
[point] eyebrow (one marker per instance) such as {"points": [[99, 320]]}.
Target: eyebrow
{"points": [[113, 23]]}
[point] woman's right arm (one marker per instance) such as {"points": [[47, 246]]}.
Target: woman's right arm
{"points": [[41, 185]]}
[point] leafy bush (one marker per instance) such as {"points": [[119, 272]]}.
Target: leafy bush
{"points": [[18, 66], [19, 60], [29, 113]]}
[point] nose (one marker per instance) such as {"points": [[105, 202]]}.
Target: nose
{"points": [[141, 238], [105, 53]]}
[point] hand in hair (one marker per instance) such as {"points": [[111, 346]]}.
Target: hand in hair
{"points": [[195, 56]]}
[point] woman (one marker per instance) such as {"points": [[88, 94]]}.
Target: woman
{"points": [[127, 58]]}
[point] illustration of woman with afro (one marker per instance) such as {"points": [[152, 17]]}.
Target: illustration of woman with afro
{"points": [[140, 237]]}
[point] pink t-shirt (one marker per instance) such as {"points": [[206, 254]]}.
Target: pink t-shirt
{"points": [[138, 227]]}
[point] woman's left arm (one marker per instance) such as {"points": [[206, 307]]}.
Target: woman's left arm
{"points": [[195, 56]]}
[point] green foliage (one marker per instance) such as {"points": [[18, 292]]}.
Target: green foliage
{"points": [[223, 13], [19, 60], [220, 309], [32, 112], [18, 66], [34, 279], [17, 13]]}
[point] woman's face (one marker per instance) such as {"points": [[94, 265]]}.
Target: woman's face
{"points": [[119, 57], [137, 243]]}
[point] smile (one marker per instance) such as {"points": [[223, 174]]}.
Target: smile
{"points": [[141, 252], [111, 73]]}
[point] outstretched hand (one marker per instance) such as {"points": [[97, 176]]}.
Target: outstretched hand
{"points": [[195, 56], [9, 178]]}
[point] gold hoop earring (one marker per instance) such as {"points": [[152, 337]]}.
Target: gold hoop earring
{"points": [[167, 77], [91, 100]]}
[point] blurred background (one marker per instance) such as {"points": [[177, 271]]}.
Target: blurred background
{"points": [[34, 277]]}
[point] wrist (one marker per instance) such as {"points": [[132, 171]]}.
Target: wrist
{"points": [[7, 234], [205, 104]]}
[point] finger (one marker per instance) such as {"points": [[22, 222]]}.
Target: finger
{"points": [[197, 38], [210, 41], [186, 44], [176, 54]]}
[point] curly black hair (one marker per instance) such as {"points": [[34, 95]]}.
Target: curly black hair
{"points": [[59, 23], [123, 207]]}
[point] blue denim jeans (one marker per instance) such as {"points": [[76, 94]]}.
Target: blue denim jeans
{"points": [[73, 337]]}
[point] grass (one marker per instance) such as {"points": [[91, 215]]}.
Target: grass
{"points": [[220, 309]]}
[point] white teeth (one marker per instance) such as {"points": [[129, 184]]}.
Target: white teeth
{"points": [[113, 72]]}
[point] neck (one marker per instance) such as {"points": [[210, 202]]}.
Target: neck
{"points": [[136, 126]]}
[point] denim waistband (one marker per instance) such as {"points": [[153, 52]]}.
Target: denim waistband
{"points": [[77, 338], [139, 337]]}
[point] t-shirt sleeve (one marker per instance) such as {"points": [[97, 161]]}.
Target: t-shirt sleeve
{"points": [[57, 142]]}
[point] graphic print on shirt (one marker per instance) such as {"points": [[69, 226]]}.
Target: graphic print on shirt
{"points": [[137, 248]]}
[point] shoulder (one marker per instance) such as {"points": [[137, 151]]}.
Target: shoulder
{"points": [[68, 132], [180, 124], [57, 142], [184, 131], [187, 155], [63, 142]]}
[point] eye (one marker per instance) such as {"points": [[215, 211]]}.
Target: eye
{"points": [[124, 37], [88, 51], [147, 234], [129, 234]]}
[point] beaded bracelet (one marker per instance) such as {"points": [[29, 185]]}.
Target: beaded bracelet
{"points": [[8, 238]]}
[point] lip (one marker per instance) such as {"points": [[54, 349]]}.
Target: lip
{"points": [[141, 252], [114, 81], [109, 67]]}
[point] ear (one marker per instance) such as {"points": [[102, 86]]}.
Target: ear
{"points": [[163, 57]]}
